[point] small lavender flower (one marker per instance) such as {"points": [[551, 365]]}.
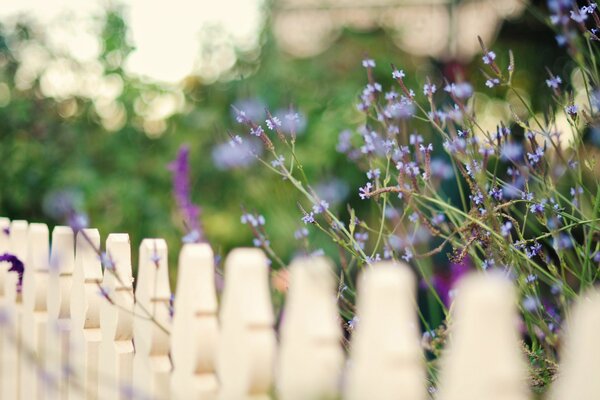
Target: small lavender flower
{"points": [[278, 162], [107, 261], [531, 279], [429, 89], [408, 255], [477, 198], [438, 219], [398, 74], [368, 63], [554, 82], [413, 217], [580, 15], [492, 82], [495, 193], [538, 208], [321, 207], [273, 123], [571, 110], [252, 219], [364, 192], [505, 228], [257, 131], [374, 173], [533, 250], [489, 57], [536, 156], [308, 218], [353, 323], [488, 263]]}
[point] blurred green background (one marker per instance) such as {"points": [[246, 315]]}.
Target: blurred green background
{"points": [[113, 158]]}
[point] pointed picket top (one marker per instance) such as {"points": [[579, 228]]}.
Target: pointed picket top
{"points": [[36, 273], [85, 301], [151, 323], [116, 318], [386, 357], [195, 325], [580, 355], [62, 265], [246, 350], [484, 360], [311, 356]]}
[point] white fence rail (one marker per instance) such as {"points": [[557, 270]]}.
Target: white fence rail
{"points": [[76, 331]]}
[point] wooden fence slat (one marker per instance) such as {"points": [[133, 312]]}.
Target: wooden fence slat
{"points": [[151, 324], [484, 360], [246, 349], [579, 372], [310, 356], [116, 320], [195, 326], [11, 366], [33, 379], [4, 247], [85, 316], [386, 357], [58, 335]]}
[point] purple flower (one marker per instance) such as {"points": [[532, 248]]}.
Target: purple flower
{"points": [[489, 57], [408, 255], [301, 233], [429, 89], [374, 173], [257, 131], [554, 82], [308, 218], [368, 63], [580, 15], [538, 208], [571, 109], [321, 207], [492, 82], [273, 123], [6, 230], [364, 192], [254, 220], [398, 74], [505, 228], [531, 279], [182, 192], [16, 265]]}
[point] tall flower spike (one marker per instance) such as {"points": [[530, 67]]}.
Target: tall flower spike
{"points": [[182, 193]]}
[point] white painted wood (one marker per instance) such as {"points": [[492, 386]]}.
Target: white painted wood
{"points": [[580, 356], [386, 357], [85, 316], [246, 350], [484, 360], [60, 279], [116, 320], [34, 379], [11, 361], [195, 326], [310, 356], [151, 363], [4, 245]]}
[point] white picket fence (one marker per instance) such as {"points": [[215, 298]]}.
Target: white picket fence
{"points": [[75, 331]]}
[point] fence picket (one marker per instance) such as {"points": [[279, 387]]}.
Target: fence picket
{"points": [[484, 360], [33, 379], [246, 349], [116, 320], [151, 323], [195, 326], [85, 316], [60, 280], [311, 356], [12, 347], [580, 366], [386, 357]]}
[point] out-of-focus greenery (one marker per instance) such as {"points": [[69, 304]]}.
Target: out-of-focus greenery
{"points": [[48, 145]]}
